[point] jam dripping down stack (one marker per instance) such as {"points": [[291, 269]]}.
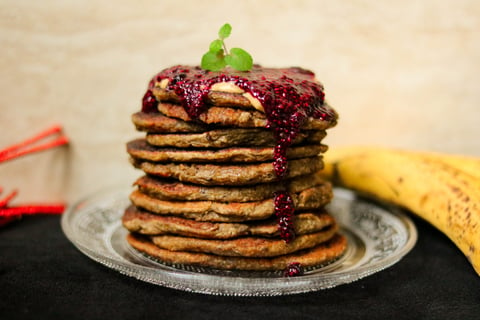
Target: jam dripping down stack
{"points": [[230, 162]]}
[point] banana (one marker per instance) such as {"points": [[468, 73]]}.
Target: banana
{"points": [[442, 189], [466, 164]]}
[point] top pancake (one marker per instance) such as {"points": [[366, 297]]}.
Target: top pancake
{"points": [[225, 94], [261, 89]]}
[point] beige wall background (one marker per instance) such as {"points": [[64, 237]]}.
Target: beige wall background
{"points": [[400, 73]]}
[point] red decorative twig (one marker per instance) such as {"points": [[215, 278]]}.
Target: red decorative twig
{"points": [[10, 213], [4, 201], [31, 145], [31, 209]]}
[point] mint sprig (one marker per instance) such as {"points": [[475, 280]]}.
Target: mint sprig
{"points": [[218, 57]]}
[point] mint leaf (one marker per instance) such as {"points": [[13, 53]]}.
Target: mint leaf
{"points": [[218, 57], [216, 46], [224, 31], [239, 59], [213, 61]]}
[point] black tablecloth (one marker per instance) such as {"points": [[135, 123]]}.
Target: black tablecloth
{"points": [[43, 276]]}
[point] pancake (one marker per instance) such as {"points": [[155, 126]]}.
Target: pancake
{"points": [[318, 255], [140, 149], [165, 189], [308, 199], [230, 137], [143, 222], [158, 123], [244, 246], [220, 95], [234, 117], [189, 85], [228, 174], [231, 161]]}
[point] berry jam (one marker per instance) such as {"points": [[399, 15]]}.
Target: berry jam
{"points": [[149, 103], [293, 269], [284, 211], [289, 97]]}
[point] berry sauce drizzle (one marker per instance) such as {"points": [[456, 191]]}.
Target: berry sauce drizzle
{"points": [[289, 97], [293, 269], [284, 211]]}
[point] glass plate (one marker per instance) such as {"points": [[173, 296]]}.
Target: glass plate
{"points": [[378, 236]]}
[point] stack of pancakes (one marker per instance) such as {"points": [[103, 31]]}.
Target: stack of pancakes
{"points": [[209, 193]]}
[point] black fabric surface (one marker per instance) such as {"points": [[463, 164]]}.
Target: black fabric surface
{"points": [[43, 276]]}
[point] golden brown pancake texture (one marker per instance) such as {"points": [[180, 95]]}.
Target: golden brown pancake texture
{"points": [[230, 167]]}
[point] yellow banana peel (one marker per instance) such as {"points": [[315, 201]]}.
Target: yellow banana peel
{"points": [[439, 188]]}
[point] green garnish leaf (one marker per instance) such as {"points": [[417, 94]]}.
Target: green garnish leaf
{"points": [[216, 45], [225, 31], [239, 59], [218, 56], [214, 61]]}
